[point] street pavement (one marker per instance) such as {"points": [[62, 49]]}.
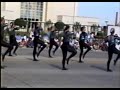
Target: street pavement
{"points": [[22, 72]]}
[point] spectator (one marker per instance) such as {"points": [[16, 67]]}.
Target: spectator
{"points": [[31, 33], [23, 43], [25, 37], [29, 43], [78, 35], [18, 38]]}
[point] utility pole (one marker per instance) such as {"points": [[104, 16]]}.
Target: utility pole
{"points": [[73, 14], [119, 15], [116, 19], [106, 23]]}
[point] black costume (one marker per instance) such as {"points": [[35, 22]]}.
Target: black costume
{"points": [[37, 41], [111, 39], [3, 43], [83, 40], [66, 47], [52, 42], [13, 40]]}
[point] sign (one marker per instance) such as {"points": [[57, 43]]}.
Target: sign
{"points": [[117, 30]]}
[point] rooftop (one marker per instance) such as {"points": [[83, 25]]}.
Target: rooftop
{"points": [[79, 16]]}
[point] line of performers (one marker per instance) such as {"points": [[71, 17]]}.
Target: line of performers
{"points": [[64, 43]]}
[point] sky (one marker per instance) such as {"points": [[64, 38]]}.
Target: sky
{"points": [[105, 11]]}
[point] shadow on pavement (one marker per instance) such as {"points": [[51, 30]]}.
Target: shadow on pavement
{"points": [[30, 59], [98, 67], [55, 66]]}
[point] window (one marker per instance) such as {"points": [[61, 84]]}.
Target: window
{"points": [[40, 18]]}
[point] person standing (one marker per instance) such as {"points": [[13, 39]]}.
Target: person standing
{"points": [[111, 39], [52, 42], [83, 43], [66, 47]]}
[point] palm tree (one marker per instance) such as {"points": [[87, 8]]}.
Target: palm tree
{"points": [[76, 26], [59, 25], [48, 23]]}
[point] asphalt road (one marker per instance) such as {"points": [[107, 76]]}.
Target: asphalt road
{"points": [[22, 72]]}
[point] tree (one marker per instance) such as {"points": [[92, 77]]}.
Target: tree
{"points": [[105, 28], [100, 34], [48, 23], [59, 26], [76, 26], [94, 28], [20, 22]]}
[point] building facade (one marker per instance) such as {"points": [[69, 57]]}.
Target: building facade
{"points": [[39, 11], [11, 10], [85, 21], [60, 8], [88, 21], [31, 11], [44, 11]]}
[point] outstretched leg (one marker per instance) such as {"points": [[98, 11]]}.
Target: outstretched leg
{"points": [[81, 52], [10, 47], [88, 49], [64, 52], [50, 47], [110, 53], [16, 47], [115, 61], [35, 50], [73, 52], [56, 47], [42, 44], [116, 51]]}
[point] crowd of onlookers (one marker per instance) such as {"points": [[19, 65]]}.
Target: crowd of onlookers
{"points": [[24, 41]]}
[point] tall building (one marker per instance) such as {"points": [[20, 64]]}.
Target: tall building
{"points": [[11, 10], [39, 11], [44, 11], [31, 11], [53, 9], [3, 6]]}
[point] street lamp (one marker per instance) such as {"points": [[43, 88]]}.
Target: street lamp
{"points": [[106, 23]]}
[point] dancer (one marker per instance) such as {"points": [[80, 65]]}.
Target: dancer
{"points": [[111, 39], [37, 41], [83, 43], [3, 43], [52, 42], [66, 47], [12, 38]]}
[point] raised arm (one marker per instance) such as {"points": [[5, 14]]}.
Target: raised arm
{"points": [[117, 38], [106, 39]]}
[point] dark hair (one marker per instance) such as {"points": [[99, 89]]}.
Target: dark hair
{"points": [[50, 28], [82, 28], [23, 39], [2, 18], [74, 37], [36, 27], [18, 34], [112, 30], [66, 27], [12, 23]]}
